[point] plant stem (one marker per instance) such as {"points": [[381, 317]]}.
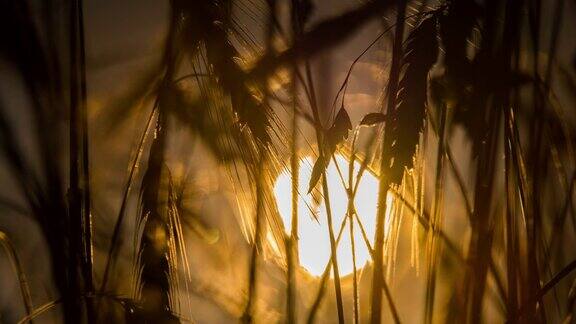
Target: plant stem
{"points": [[350, 215], [79, 205], [323, 279], [292, 253], [18, 270], [325, 191], [384, 184], [436, 221], [247, 316]]}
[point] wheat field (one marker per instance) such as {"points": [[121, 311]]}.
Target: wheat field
{"points": [[287, 161]]}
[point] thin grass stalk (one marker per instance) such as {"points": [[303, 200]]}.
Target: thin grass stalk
{"points": [[154, 249], [391, 304], [511, 238], [86, 210], [77, 247], [356, 305], [19, 271], [290, 281], [44, 194], [86, 197], [483, 219], [247, 316], [511, 227], [556, 236], [460, 181], [350, 215], [320, 294], [364, 235], [384, 183], [323, 280], [436, 221], [521, 188], [482, 235], [417, 181], [326, 195], [354, 214], [536, 125], [292, 252], [114, 242], [525, 309], [491, 101], [155, 264], [17, 166], [493, 270], [558, 8], [571, 300], [249, 310], [39, 311], [74, 190]]}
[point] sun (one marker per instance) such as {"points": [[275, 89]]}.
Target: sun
{"points": [[314, 242]]}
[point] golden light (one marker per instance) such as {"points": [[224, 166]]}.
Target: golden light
{"points": [[314, 243]]}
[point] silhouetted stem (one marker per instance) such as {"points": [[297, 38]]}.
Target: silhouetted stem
{"points": [[253, 271], [324, 279], [350, 215], [384, 184], [292, 253], [326, 194], [114, 242], [18, 270]]}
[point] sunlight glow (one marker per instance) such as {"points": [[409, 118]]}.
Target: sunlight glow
{"points": [[314, 243]]}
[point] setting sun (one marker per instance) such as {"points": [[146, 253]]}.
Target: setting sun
{"points": [[314, 243]]}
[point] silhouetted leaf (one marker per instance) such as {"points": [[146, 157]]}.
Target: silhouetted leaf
{"points": [[339, 130], [373, 119], [321, 37], [333, 136], [319, 167]]}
